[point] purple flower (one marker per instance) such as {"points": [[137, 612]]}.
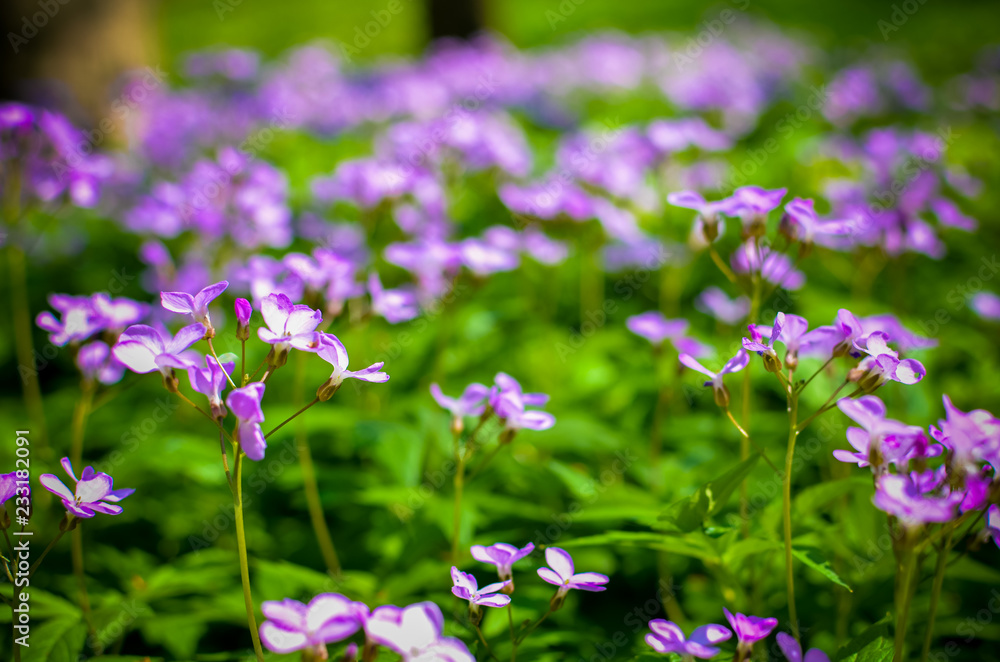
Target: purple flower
{"points": [[793, 650], [749, 629], [470, 403], [510, 408], [333, 352], [879, 441], [753, 204], [766, 349], [971, 437], [882, 364], [502, 555], [395, 305], [243, 311], [8, 486], [667, 637], [835, 340], [774, 267], [656, 328], [709, 223], [900, 496], [78, 322], [293, 626], [713, 301], [117, 313], [564, 575], [94, 492], [143, 349], [800, 223], [196, 306], [467, 588], [245, 404], [735, 364], [504, 383], [415, 633], [986, 305], [96, 363], [903, 337], [211, 381], [289, 325]]}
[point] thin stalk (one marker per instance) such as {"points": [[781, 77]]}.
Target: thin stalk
{"points": [[309, 484], [904, 579], [243, 362], [460, 458], [23, 343], [786, 493], [45, 553], [486, 461], [284, 422], [942, 563], [723, 267], [813, 376], [534, 626], [250, 379], [483, 640], [827, 406], [747, 438], [76, 549], [215, 356], [225, 458], [513, 637], [241, 544], [80, 415]]}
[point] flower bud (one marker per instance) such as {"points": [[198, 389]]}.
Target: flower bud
{"points": [[710, 228], [243, 313], [771, 361], [351, 653], [170, 381], [792, 360], [457, 425], [475, 614], [277, 357], [557, 600], [508, 587], [721, 396], [327, 389]]}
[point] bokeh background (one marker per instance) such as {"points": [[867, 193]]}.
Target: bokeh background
{"points": [[164, 572]]}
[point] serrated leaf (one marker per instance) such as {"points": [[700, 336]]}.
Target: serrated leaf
{"points": [[813, 558], [690, 514], [56, 640]]}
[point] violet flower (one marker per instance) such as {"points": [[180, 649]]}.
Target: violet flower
{"points": [[970, 437], [709, 224], [467, 588], [656, 328], [794, 328], [503, 556], [333, 352], [116, 314], [766, 349], [713, 301], [78, 322], [470, 403], [288, 325], [793, 650], [395, 305], [245, 404], [143, 349], [882, 364], [94, 492], [900, 496], [243, 311], [837, 339], [749, 630], [8, 488], [96, 362], [510, 408], [719, 390], [879, 441], [293, 626], [993, 523], [564, 575], [986, 305], [800, 223], [774, 267], [753, 204], [667, 637], [211, 381], [415, 633], [504, 383], [196, 306]]}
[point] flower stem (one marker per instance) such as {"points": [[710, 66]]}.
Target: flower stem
{"points": [[309, 484], [746, 437], [460, 457], [723, 267], [215, 356], [241, 544], [486, 646], [45, 553], [942, 564], [80, 415], [284, 422], [513, 637], [786, 494], [534, 626], [813, 376], [904, 579]]}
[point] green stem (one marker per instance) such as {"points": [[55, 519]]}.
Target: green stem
{"points": [[80, 415], [215, 356], [45, 553], [309, 484], [723, 267], [786, 494], [241, 544], [813, 376], [746, 437], [284, 422], [904, 579], [534, 626], [939, 569], [513, 637], [459, 488]]}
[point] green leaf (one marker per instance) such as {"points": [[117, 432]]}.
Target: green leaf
{"points": [[690, 514], [872, 645], [56, 640], [814, 497], [813, 558], [691, 544]]}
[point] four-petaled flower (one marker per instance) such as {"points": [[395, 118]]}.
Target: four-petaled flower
{"points": [[709, 223], [879, 441], [210, 381], [564, 575], [882, 364], [196, 306], [901, 496], [470, 403], [415, 633], [972, 437], [719, 390], [667, 637], [94, 492], [143, 349], [245, 404], [503, 556], [656, 328], [288, 325], [466, 587], [293, 626], [333, 352], [749, 630], [766, 349]]}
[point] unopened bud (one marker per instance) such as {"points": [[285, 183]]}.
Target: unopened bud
{"points": [[457, 425], [243, 332], [277, 357], [792, 360], [557, 600], [170, 381], [475, 614], [710, 228], [771, 361], [721, 396], [508, 588]]}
